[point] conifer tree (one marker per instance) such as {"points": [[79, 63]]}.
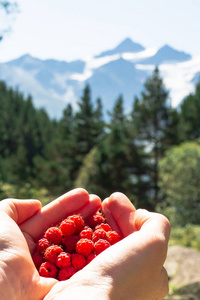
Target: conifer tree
{"points": [[151, 118]]}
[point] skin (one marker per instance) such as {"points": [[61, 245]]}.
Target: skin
{"points": [[130, 269], [133, 268], [22, 222]]}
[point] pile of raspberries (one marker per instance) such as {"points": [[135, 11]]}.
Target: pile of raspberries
{"points": [[71, 245]]}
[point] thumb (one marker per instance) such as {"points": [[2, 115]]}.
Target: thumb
{"points": [[20, 210], [46, 285]]}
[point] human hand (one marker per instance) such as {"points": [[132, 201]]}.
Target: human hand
{"points": [[133, 268], [22, 222]]}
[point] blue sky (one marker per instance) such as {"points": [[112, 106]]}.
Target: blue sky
{"points": [[73, 29]]}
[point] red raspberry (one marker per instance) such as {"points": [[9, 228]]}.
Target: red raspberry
{"points": [[67, 227], [79, 223], [99, 234], [70, 243], [42, 245], [95, 220], [66, 273], [48, 269], [86, 233], [113, 237], [63, 260], [103, 226], [53, 235], [37, 259], [52, 252], [78, 261], [101, 245], [84, 247], [90, 257]]}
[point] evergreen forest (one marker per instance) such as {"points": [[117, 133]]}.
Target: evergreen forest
{"points": [[152, 154]]}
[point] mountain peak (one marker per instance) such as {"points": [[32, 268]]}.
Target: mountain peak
{"points": [[167, 54], [126, 46]]}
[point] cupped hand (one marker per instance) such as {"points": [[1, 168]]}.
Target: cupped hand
{"points": [[133, 268], [22, 222]]}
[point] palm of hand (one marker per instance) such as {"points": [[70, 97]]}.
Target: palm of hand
{"points": [[25, 223]]}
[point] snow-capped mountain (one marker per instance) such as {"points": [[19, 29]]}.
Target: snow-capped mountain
{"points": [[122, 70]]}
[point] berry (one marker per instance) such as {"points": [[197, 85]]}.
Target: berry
{"points": [[78, 261], [53, 235], [70, 243], [99, 234], [52, 252], [103, 226], [79, 223], [86, 233], [90, 257], [37, 259], [66, 273], [113, 237], [101, 245], [42, 245], [67, 227], [48, 269], [95, 220], [63, 260], [84, 247]]}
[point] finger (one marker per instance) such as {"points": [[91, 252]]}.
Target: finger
{"points": [[119, 211], [54, 212], [20, 210], [45, 284], [91, 207], [153, 231], [109, 217], [164, 283]]}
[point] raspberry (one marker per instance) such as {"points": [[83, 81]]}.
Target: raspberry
{"points": [[66, 273], [103, 226], [99, 234], [113, 237], [95, 220], [79, 223], [53, 235], [78, 261], [86, 233], [67, 227], [42, 245], [37, 259], [48, 269], [84, 247], [70, 243], [63, 260], [101, 245], [90, 257], [52, 252]]}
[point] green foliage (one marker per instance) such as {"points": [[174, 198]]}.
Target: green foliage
{"points": [[26, 192], [189, 127], [155, 123], [187, 236], [179, 182]]}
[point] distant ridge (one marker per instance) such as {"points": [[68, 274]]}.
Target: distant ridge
{"points": [[167, 54], [120, 71], [126, 46]]}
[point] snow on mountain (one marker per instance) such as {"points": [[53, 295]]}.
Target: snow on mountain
{"points": [[125, 46], [167, 54], [122, 70]]}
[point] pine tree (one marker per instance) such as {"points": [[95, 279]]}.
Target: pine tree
{"points": [[151, 118]]}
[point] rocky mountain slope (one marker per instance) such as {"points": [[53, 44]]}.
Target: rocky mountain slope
{"points": [[122, 70]]}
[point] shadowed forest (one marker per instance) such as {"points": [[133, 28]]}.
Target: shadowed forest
{"points": [[151, 154]]}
